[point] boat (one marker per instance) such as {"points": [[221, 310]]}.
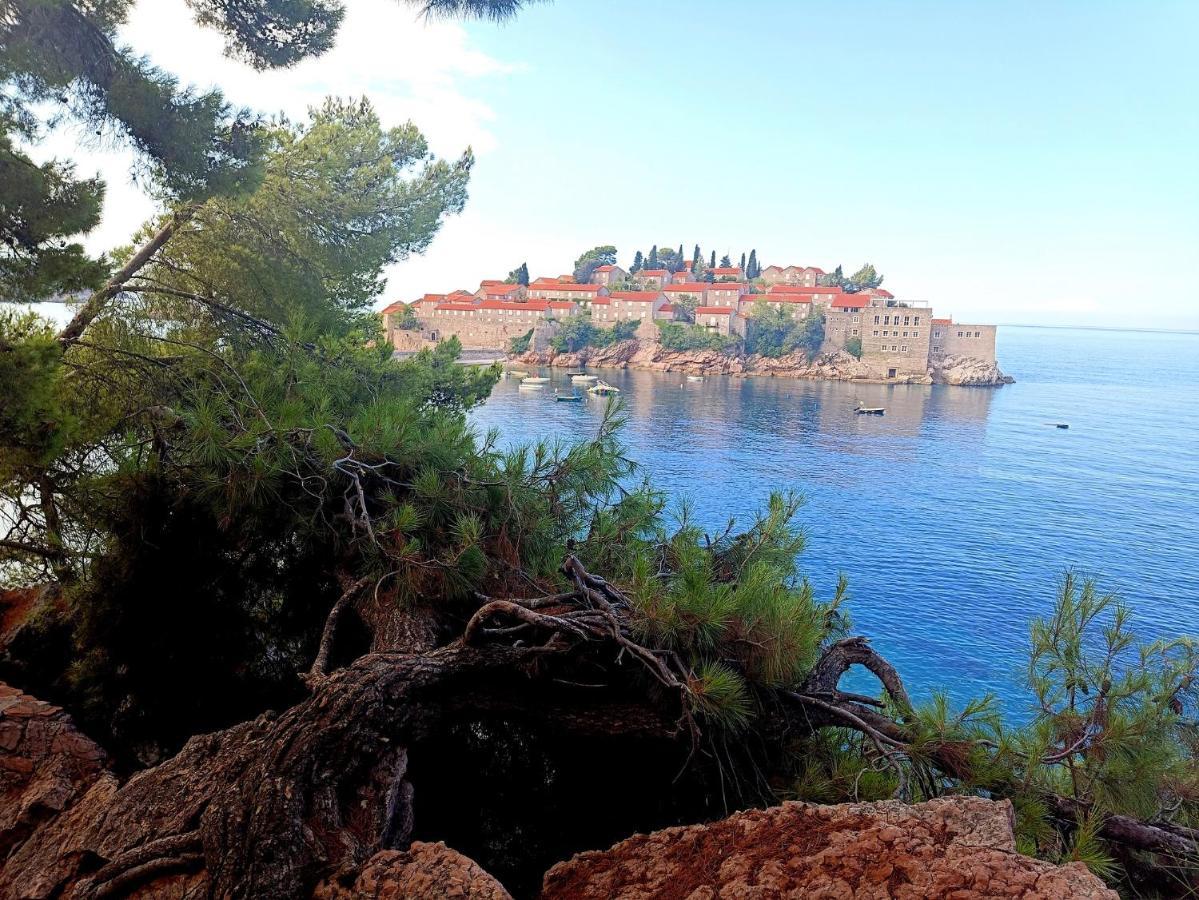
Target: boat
{"points": [[1062, 425], [535, 379], [870, 410], [573, 374], [568, 398], [525, 386], [582, 379], [516, 373], [695, 377], [602, 387]]}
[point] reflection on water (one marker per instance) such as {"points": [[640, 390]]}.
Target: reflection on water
{"points": [[954, 513]]}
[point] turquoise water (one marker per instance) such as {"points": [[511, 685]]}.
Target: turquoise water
{"points": [[955, 514]]}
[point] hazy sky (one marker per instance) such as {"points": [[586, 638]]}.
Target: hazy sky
{"points": [[1005, 161]]}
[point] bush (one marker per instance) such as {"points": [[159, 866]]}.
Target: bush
{"points": [[854, 347], [773, 332], [680, 336], [519, 345], [578, 332]]}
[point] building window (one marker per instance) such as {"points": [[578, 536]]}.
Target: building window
{"points": [[959, 334], [903, 349], [915, 334], [976, 334], [855, 320], [876, 332], [906, 320], [905, 334], [892, 348], [876, 322], [916, 320], [855, 331]]}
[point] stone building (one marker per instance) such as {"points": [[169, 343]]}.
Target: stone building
{"points": [[608, 275], [622, 306], [652, 279], [805, 276], [723, 320]]}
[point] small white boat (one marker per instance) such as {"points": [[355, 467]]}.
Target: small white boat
{"points": [[582, 379], [695, 377], [870, 410], [602, 387], [516, 373], [535, 379], [527, 386]]}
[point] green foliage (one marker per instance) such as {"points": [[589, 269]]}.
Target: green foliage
{"points": [[773, 332], [863, 278], [670, 260], [752, 268], [519, 345], [585, 265], [407, 320], [725, 262], [519, 275], [684, 306], [638, 263], [853, 346], [577, 332], [681, 336]]}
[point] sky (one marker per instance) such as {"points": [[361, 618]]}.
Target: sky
{"points": [[1010, 162]]}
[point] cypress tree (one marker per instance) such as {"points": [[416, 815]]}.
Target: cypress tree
{"points": [[743, 261], [638, 263], [712, 264], [697, 259], [653, 257], [752, 270]]}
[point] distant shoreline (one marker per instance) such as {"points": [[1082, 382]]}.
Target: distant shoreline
{"points": [[1192, 331]]}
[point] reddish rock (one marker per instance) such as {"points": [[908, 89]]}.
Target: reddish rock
{"points": [[45, 764], [960, 848], [423, 872]]}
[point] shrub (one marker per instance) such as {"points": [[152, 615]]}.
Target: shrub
{"points": [[519, 345], [681, 336], [854, 347]]}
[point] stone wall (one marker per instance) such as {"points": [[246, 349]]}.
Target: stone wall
{"points": [[964, 341]]}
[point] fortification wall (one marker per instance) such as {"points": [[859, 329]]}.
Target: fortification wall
{"points": [[973, 341]]}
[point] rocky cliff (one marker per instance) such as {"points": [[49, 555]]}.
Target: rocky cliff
{"points": [[959, 848], [836, 366]]}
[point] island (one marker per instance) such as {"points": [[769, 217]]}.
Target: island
{"points": [[783, 321]]}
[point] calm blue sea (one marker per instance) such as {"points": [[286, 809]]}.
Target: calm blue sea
{"points": [[956, 513]]}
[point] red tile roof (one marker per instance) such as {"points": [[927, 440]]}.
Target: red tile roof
{"points": [[563, 286], [726, 286], [666, 308], [604, 268], [687, 287], [500, 289], [800, 289], [850, 301], [636, 296], [942, 321], [394, 307], [560, 304], [654, 273], [713, 310], [601, 301], [776, 298], [726, 270], [536, 305], [458, 306]]}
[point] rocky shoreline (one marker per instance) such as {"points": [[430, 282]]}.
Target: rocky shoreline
{"points": [[836, 366]]}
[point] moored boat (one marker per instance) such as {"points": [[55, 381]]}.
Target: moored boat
{"points": [[695, 377], [870, 410], [516, 373], [535, 379], [602, 387], [580, 378], [569, 398]]}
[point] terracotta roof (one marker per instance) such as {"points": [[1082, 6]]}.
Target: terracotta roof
{"points": [[601, 301], [879, 292], [800, 289], [666, 308], [604, 268], [687, 287], [713, 310], [560, 304], [726, 270], [849, 301], [636, 296], [562, 286], [500, 288], [777, 298], [457, 306], [430, 298], [654, 273], [942, 321], [726, 286], [538, 305], [394, 307]]}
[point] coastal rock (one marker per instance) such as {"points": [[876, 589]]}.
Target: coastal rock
{"points": [[835, 366], [966, 371], [956, 847], [423, 872]]}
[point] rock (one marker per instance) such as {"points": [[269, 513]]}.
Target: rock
{"points": [[961, 848], [423, 872], [836, 365], [967, 371], [45, 764]]}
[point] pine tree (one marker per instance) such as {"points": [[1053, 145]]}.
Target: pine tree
{"points": [[519, 275], [653, 257], [638, 263], [712, 264], [725, 262]]}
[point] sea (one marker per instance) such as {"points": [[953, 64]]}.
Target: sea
{"points": [[956, 514]]}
